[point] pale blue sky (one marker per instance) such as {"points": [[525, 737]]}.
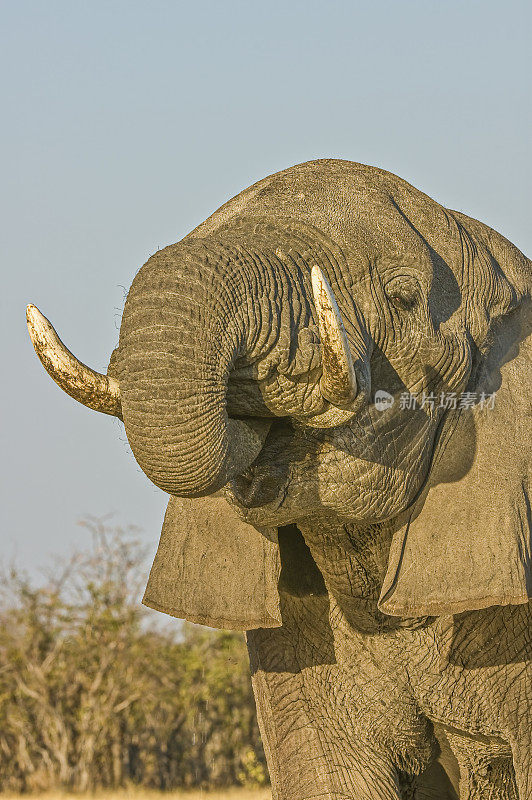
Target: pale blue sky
{"points": [[126, 123]]}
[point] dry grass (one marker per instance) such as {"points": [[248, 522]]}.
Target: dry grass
{"points": [[146, 794]]}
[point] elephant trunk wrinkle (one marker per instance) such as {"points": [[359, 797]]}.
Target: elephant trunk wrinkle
{"points": [[177, 358]]}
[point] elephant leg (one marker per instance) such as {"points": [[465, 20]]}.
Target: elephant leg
{"points": [[522, 760], [523, 779], [335, 725], [441, 778], [311, 750], [486, 770]]}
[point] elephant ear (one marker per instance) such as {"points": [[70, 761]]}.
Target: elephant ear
{"points": [[214, 569], [466, 544]]}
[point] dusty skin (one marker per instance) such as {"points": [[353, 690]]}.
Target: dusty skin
{"points": [[331, 378]]}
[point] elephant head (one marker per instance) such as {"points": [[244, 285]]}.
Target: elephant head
{"points": [[306, 351]]}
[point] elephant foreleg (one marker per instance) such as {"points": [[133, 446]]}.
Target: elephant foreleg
{"points": [[308, 758], [306, 722], [485, 774]]}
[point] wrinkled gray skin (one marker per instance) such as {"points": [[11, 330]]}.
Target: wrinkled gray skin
{"points": [[219, 368]]}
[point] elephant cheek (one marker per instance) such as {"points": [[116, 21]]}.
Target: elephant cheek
{"points": [[369, 489]]}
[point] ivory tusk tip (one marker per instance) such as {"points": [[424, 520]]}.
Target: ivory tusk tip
{"points": [[316, 276], [323, 295], [338, 383], [34, 320], [39, 327], [93, 389], [34, 316]]}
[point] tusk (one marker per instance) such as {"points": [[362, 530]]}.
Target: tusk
{"points": [[338, 382], [92, 389]]}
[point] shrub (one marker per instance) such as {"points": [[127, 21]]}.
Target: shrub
{"points": [[96, 693]]}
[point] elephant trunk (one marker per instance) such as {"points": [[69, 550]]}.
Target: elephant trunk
{"points": [[182, 329], [193, 310]]}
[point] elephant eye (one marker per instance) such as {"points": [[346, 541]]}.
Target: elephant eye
{"points": [[402, 292], [403, 301]]}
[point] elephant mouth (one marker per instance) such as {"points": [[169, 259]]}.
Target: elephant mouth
{"points": [[266, 479]]}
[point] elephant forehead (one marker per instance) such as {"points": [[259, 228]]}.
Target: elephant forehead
{"points": [[374, 225], [324, 190], [366, 210], [385, 237]]}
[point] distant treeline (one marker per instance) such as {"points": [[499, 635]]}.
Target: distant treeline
{"points": [[96, 692]]}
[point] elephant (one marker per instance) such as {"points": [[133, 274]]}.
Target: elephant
{"points": [[331, 377]]}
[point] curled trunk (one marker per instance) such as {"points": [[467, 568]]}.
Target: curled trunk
{"points": [[182, 329], [196, 310]]}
